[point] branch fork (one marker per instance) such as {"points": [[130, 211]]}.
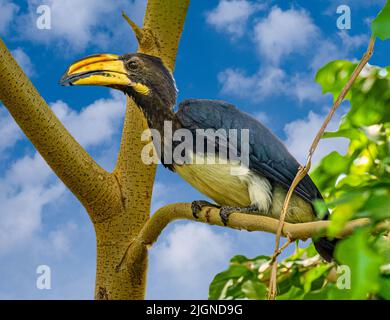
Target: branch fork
{"points": [[118, 202]]}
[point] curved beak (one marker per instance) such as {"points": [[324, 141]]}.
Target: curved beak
{"points": [[99, 70]]}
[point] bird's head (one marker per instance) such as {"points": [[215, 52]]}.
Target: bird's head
{"points": [[142, 77]]}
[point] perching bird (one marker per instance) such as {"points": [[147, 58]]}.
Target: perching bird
{"points": [[262, 186]]}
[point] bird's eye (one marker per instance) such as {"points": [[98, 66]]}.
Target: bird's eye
{"points": [[132, 64]]}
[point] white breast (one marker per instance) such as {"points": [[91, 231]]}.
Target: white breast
{"points": [[218, 183]]}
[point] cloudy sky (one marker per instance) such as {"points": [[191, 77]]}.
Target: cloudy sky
{"points": [[260, 55]]}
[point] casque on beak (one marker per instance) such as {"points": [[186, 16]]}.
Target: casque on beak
{"points": [[100, 70]]}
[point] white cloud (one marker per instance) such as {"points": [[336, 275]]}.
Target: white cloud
{"points": [[25, 189], [231, 16], [268, 81], [29, 184], [189, 258], [341, 48], [93, 125], [353, 42], [235, 82], [278, 36], [160, 198], [24, 61], [282, 33], [262, 117], [326, 50], [28, 171], [60, 239], [303, 87], [8, 11], [78, 24], [354, 4], [300, 134], [96, 123]]}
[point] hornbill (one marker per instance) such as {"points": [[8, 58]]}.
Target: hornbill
{"points": [[263, 185]]}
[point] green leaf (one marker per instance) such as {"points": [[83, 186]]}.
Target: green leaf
{"points": [[321, 294], [351, 133], [226, 279], [293, 294], [382, 246], [254, 290], [344, 211], [311, 251], [381, 24], [315, 273], [321, 208], [334, 75], [331, 166], [384, 291], [377, 207], [239, 259], [334, 163], [353, 180]]}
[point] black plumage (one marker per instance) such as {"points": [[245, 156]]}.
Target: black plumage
{"points": [[268, 156]]}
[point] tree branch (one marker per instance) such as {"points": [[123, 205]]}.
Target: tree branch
{"points": [[304, 170], [211, 215], [163, 26], [72, 164]]}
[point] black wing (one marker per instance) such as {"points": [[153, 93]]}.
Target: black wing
{"points": [[267, 154]]}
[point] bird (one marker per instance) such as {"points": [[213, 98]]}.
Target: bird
{"points": [[263, 182]]}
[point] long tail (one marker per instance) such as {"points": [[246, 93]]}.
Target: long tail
{"points": [[324, 246]]}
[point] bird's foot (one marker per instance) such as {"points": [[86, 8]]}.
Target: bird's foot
{"points": [[198, 205], [226, 211]]}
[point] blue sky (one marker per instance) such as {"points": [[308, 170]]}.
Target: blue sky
{"points": [[260, 55]]}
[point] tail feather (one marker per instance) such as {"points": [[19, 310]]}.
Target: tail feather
{"points": [[324, 246]]}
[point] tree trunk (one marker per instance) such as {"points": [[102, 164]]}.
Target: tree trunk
{"points": [[115, 234]]}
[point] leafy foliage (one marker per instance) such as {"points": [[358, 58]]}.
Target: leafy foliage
{"points": [[354, 185], [357, 184], [240, 280]]}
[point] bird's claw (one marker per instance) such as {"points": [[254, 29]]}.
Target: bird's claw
{"points": [[224, 213]]}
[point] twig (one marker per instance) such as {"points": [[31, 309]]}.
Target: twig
{"points": [[281, 249], [304, 170], [139, 34]]}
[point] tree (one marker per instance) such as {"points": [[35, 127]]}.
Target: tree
{"points": [[118, 203]]}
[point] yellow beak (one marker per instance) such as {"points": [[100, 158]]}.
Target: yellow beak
{"points": [[100, 70]]}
